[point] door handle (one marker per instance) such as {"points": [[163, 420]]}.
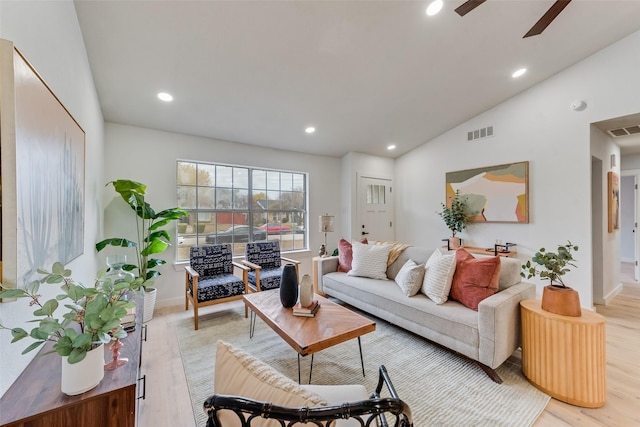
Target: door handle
{"points": [[364, 233]]}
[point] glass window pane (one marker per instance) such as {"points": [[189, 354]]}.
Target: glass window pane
{"points": [[223, 198], [287, 200], [298, 182], [259, 180], [273, 180], [186, 173], [241, 199], [298, 200], [240, 178], [224, 176], [286, 181], [206, 175], [273, 202], [206, 198], [186, 197]]}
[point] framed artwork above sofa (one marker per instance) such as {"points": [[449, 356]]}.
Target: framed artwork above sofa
{"points": [[494, 193]]}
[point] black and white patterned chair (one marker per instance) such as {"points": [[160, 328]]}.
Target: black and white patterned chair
{"points": [[210, 278], [266, 264]]}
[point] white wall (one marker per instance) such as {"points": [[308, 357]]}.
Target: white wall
{"points": [[48, 35], [149, 156], [538, 126]]}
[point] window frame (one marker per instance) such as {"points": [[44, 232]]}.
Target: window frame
{"points": [[210, 199]]}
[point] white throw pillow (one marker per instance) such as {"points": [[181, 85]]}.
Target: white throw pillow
{"points": [[438, 276], [410, 278], [369, 260]]}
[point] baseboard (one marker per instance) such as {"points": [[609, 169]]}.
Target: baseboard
{"points": [[610, 296]]}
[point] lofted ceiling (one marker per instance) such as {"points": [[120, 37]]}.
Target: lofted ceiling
{"points": [[365, 74]]}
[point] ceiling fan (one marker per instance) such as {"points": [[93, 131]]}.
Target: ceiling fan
{"points": [[537, 28]]}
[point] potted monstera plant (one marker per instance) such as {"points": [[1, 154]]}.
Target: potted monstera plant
{"points": [[456, 217], [78, 321], [151, 238], [557, 297]]}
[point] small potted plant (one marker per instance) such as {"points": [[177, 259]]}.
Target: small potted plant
{"points": [[557, 297], [151, 237], [92, 318], [456, 217]]}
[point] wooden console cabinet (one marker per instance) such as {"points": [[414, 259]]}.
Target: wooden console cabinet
{"points": [[35, 399]]}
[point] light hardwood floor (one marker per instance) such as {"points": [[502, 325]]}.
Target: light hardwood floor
{"points": [[168, 404]]}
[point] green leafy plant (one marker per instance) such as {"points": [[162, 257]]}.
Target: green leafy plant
{"points": [[456, 216], [93, 314], [151, 237], [551, 265]]}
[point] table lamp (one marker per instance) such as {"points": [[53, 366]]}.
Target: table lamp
{"points": [[325, 223]]}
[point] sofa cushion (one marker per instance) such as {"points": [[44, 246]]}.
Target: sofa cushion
{"points": [[510, 269], [475, 278], [369, 260], [240, 374], [438, 275], [410, 278], [418, 254], [450, 324], [345, 254]]}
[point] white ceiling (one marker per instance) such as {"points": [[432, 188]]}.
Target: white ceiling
{"points": [[364, 73]]}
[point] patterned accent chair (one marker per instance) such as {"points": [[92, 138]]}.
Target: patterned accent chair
{"points": [[265, 262], [209, 278]]}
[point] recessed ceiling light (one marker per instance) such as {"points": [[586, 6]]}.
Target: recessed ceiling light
{"points": [[434, 7], [310, 129], [391, 147], [164, 96], [519, 72]]}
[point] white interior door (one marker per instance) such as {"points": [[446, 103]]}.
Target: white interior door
{"points": [[375, 209]]}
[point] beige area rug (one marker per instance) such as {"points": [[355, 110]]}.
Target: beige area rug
{"points": [[441, 388]]}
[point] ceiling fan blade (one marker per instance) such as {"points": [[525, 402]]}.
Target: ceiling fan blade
{"points": [[468, 6], [547, 18]]}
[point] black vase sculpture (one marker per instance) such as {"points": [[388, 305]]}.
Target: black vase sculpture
{"points": [[289, 286]]}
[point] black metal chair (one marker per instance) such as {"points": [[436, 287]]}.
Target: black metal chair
{"points": [[252, 412]]}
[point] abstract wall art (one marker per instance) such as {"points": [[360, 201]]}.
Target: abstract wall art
{"points": [[494, 193], [42, 154], [613, 201]]}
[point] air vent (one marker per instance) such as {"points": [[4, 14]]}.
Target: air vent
{"points": [[480, 133], [630, 130]]}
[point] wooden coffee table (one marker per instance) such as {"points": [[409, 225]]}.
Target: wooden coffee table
{"points": [[333, 324]]}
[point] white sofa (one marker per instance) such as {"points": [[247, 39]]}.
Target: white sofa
{"points": [[488, 336]]}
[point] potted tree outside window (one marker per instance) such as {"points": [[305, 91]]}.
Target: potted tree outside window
{"points": [[557, 297], [456, 217]]}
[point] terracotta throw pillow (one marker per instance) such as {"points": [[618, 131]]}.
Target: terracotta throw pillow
{"points": [[475, 278], [345, 254]]}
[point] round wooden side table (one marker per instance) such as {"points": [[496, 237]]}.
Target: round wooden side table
{"points": [[564, 356]]}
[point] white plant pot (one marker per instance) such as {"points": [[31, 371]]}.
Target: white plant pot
{"points": [[80, 377], [150, 295]]}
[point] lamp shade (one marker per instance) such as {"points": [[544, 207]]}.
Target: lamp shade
{"points": [[325, 223]]}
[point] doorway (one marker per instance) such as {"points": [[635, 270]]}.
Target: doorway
{"points": [[375, 207], [628, 223], [597, 208]]}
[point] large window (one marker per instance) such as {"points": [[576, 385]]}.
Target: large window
{"points": [[236, 204]]}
